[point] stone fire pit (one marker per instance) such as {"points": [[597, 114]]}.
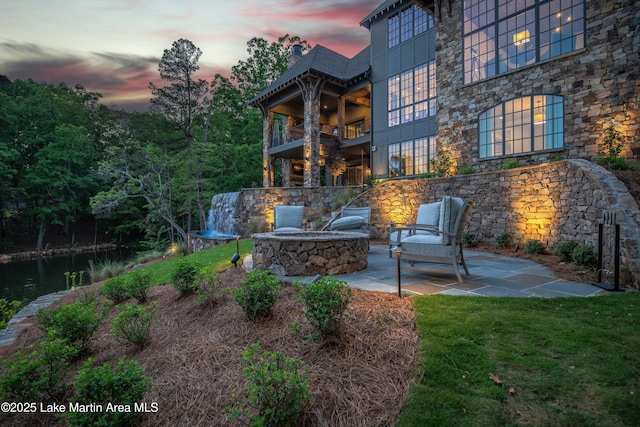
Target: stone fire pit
{"points": [[307, 253]]}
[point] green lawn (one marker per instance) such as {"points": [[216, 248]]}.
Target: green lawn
{"points": [[210, 260], [568, 361]]}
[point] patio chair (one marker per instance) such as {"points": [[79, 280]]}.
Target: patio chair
{"points": [[440, 245], [353, 220], [428, 217], [288, 218]]}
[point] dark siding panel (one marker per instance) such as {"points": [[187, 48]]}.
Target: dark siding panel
{"points": [[407, 55], [379, 69], [394, 66], [379, 104], [421, 49], [407, 132], [379, 37]]}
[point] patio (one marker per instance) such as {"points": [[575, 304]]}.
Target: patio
{"points": [[490, 275]]}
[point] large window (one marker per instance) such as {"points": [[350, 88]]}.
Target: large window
{"points": [[504, 35], [522, 125], [411, 157], [412, 94], [407, 24]]}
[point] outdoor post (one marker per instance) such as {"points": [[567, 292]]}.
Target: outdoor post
{"points": [[398, 251]]}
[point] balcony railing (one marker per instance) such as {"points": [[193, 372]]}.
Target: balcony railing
{"points": [[351, 131]]}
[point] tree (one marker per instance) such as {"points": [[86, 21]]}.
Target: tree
{"points": [[266, 62], [139, 171], [182, 99], [53, 138]]}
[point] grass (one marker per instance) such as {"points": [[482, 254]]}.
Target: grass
{"points": [[210, 260], [564, 361]]}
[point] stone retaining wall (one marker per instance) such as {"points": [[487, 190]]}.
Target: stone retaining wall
{"points": [[552, 203]]}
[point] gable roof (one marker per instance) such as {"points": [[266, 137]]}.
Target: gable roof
{"points": [[323, 61], [381, 10]]}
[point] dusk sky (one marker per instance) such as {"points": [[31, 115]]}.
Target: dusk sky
{"points": [[114, 46]]}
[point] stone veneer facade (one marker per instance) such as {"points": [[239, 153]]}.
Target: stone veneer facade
{"points": [[554, 202], [598, 83]]}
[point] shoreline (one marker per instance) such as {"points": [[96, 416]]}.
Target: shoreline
{"points": [[16, 256]]}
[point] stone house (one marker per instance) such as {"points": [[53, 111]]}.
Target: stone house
{"points": [[447, 83]]}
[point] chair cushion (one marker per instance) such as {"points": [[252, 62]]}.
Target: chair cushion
{"points": [[449, 209], [288, 216], [393, 237], [348, 223], [423, 239], [428, 214], [286, 229]]}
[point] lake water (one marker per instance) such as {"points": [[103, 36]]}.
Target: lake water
{"points": [[26, 280]]}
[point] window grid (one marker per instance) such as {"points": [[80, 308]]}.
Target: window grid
{"points": [[407, 24], [411, 157], [504, 35], [412, 94], [394, 31], [522, 125]]}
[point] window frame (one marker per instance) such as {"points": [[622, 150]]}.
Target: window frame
{"points": [[510, 129], [407, 24], [412, 94], [415, 157], [512, 34]]}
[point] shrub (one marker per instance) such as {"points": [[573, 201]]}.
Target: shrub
{"points": [[533, 246], [139, 285], [186, 276], [504, 240], [75, 323], [115, 289], [584, 255], [206, 294], [510, 164], [125, 384], [470, 240], [8, 309], [618, 163], [133, 324], [325, 302], [277, 389], [467, 170], [39, 375], [258, 293], [564, 250]]}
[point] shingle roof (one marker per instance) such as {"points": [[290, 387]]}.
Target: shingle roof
{"points": [[384, 7], [321, 60]]}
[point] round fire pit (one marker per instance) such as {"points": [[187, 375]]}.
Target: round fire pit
{"points": [[307, 253]]}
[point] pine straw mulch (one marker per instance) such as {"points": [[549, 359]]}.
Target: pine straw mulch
{"points": [[359, 377]]}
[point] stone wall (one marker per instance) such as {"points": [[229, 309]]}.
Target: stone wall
{"points": [[254, 210], [554, 202], [598, 83], [551, 203]]}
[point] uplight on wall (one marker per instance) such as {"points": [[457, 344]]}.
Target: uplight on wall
{"points": [[521, 38]]}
